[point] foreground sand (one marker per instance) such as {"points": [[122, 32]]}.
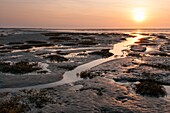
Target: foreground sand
{"points": [[96, 95]]}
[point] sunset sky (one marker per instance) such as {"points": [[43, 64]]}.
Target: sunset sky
{"points": [[85, 13]]}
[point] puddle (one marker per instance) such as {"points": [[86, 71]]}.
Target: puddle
{"points": [[120, 47], [71, 76]]}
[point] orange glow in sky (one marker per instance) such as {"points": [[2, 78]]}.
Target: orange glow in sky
{"points": [[85, 13]]}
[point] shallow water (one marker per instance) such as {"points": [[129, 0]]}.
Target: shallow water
{"points": [[167, 31], [71, 76]]}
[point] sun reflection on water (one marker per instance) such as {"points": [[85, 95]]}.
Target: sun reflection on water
{"points": [[120, 47]]}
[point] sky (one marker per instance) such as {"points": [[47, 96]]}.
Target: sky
{"points": [[85, 13]]}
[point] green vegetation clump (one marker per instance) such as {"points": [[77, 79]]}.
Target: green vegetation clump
{"points": [[19, 67]]}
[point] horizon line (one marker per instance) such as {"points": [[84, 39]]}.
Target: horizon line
{"points": [[90, 28]]}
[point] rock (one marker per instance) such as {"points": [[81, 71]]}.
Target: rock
{"points": [[165, 48], [138, 48]]}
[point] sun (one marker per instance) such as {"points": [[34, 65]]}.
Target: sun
{"points": [[139, 15]]}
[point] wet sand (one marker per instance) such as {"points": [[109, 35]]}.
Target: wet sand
{"points": [[37, 47], [109, 85]]}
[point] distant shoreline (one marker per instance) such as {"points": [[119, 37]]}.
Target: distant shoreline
{"points": [[90, 29]]}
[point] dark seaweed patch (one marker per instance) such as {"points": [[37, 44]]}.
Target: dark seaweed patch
{"points": [[39, 100], [29, 46], [160, 54], [15, 43], [57, 58], [134, 54], [88, 42], [99, 91], [103, 53], [36, 42], [67, 67], [138, 48], [150, 88], [22, 47], [59, 38], [62, 53], [161, 36], [19, 67], [12, 106], [165, 48], [159, 66], [88, 75], [5, 51]]}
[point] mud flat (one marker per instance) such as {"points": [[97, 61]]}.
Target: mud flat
{"points": [[54, 52], [90, 72]]}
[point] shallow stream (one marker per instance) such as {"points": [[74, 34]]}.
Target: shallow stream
{"points": [[72, 76]]}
